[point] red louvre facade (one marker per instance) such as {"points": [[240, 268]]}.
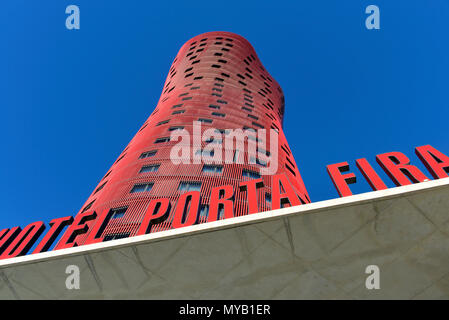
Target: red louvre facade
{"points": [[216, 81]]}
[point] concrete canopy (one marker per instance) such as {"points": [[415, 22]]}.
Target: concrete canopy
{"points": [[314, 251]]}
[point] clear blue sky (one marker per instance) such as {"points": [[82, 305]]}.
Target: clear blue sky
{"points": [[72, 100]]}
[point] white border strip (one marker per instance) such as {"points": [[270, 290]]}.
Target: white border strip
{"points": [[227, 223]]}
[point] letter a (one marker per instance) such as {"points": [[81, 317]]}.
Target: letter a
{"points": [[373, 20], [73, 280], [72, 21], [373, 280]]}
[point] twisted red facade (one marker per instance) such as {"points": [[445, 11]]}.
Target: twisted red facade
{"points": [[216, 79]]}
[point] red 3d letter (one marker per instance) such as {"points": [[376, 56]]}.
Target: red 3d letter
{"points": [[436, 162], [79, 226], [341, 181], [397, 166], [370, 175], [221, 197], [24, 241], [251, 193], [97, 229], [56, 226], [283, 193], [156, 212], [7, 236], [186, 212]]}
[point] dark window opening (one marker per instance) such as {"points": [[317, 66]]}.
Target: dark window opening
{"points": [[212, 169], [116, 236], [176, 128], [250, 174], [162, 140], [88, 206], [148, 154], [258, 125], [100, 187], [290, 169], [204, 211], [163, 122], [118, 160], [118, 213], [145, 187], [150, 168], [189, 186]]}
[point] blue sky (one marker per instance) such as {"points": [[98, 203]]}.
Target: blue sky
{"points": [[72, 99]]}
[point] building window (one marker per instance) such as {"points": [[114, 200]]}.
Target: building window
{"points": [[250, 174], [143, 127], [100, 187], [88, 206], [118, 160], [236, 156], [145, 187], [257, 125], [213, 106], [150, 168], [258, 161], [205, 120], [263, 151], [268, 199], [118, 213], [290, 169], [162, 140], [220, 212], [204, 211], [222, 131], [176, 128], [107, 175], [116, 236], [162, 122], [205, 153], [189, 186], [148, 154], [178, 111], [218, 114], [253, 138], [212, 169], [212, 140]]}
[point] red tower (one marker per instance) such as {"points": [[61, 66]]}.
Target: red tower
{"points": [[217, 81]]}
